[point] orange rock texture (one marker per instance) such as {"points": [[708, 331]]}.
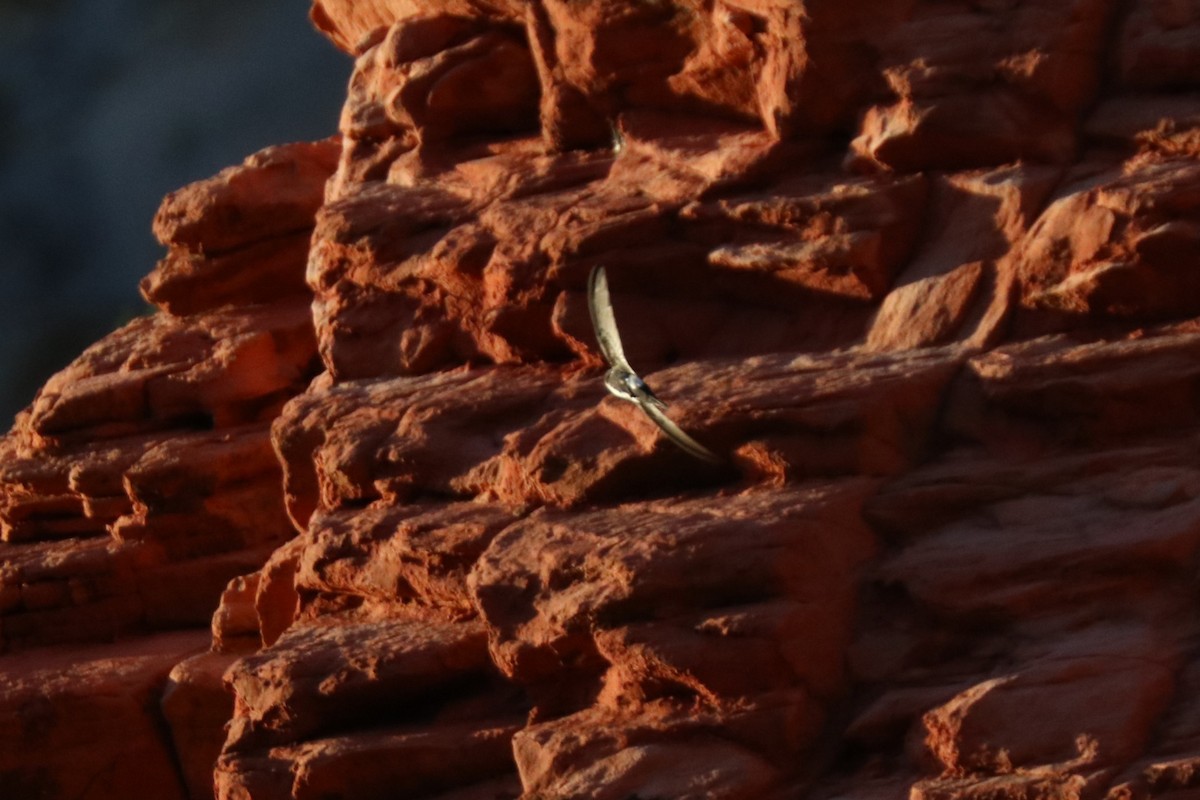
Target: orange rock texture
{"points": [[352, 516]]}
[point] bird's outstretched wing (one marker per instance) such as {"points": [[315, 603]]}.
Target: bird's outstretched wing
{"points": [[604, 321], [676, 434], [628, 385]]}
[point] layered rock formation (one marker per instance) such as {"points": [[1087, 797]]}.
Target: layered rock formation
{"points": [[921, 272]]}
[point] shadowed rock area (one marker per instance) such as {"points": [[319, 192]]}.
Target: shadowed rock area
{"points": [[353, 516]]}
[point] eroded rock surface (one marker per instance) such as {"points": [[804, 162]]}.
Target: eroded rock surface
{"points": [[922, 273], [142, 480]]}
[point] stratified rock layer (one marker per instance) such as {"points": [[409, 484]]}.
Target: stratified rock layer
{"points": [[142, 480], [922, 273]]}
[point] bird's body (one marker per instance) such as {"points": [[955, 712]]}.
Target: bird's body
{"points": [[621, 380], [628, 386]]}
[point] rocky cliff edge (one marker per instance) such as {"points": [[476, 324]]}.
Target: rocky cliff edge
{"points": [[352, 516]]}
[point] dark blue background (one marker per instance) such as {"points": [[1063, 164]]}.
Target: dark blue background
{"points": [[107, 105]]}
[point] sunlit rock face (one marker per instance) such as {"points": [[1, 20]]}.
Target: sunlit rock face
{"points": [[921, 273]]}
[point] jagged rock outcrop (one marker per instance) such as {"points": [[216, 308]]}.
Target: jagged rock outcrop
{"points": [[142, 480], [921, 272]]}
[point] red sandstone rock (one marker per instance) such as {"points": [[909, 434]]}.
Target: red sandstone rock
{"points": [[195, 509], [197, 706], [1158, 48], [159, 372], [954, 287], [1062, 390], [454, 761], [680, 754], [1118, 243], [81, 722], [139, 482], [921, 272], [319, 678], [982, 86], [241, 237], [539, 622], [416, 554], [236, 627]]}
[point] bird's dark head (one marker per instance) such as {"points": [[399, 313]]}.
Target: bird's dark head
{"points": [[622, 383]]}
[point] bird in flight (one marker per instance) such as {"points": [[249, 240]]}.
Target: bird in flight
{"points": [[621, 380]]}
